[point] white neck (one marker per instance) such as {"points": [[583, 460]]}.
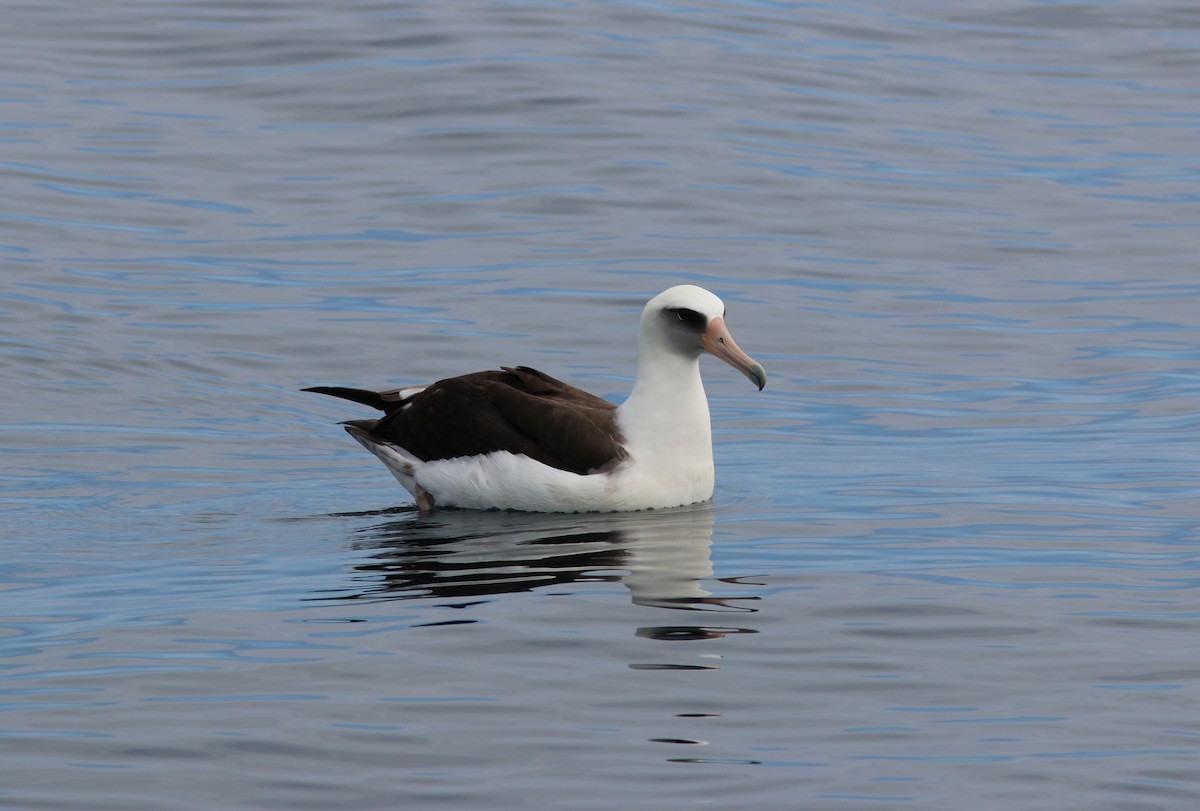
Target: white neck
{"points": [[665, 419], [665, 382]]}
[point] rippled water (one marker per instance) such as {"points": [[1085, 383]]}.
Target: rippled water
{"points": [[952, 560]]}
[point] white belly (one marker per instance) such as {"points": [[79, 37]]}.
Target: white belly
{"points": [[508, 481]]}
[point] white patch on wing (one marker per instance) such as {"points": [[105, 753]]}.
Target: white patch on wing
{"points": [[411, 391]]}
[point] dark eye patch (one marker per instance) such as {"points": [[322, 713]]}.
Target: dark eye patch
{"points": [[690, 318]]}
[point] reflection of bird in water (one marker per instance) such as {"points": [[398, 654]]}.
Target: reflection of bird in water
{"points": [[462, 554], [519, 439]]}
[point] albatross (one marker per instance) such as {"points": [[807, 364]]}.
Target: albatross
{"points": [[518, 439]]}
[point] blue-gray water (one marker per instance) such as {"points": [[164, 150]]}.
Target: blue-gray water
{"points": [[952, 560]]}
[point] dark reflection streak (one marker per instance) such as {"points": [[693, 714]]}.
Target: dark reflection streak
{"points": [[469, 604], [661, 556], [413, 567], [687, 633], [403, 509], [705, 604], [742, 581]]}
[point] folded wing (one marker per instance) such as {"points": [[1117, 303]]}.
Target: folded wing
{"points": [[519, 410]]}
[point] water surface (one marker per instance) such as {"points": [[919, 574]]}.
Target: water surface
{"points": [[952, 556]]}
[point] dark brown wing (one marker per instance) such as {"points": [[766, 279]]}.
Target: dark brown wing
{"points": [[520, 410]]}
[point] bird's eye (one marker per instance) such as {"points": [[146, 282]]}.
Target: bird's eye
{"points": [[690, 317]]}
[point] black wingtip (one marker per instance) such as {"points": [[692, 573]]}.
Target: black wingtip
{"points": [[359, 428], [367, 398]]}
